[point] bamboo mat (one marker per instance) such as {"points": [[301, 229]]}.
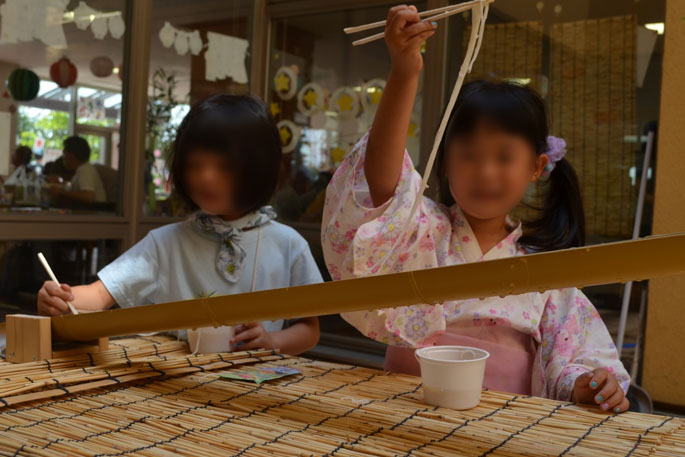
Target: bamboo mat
{"points": [[328, 410]]}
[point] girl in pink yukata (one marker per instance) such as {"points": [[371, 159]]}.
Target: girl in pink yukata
{"points": [[551, 344]]}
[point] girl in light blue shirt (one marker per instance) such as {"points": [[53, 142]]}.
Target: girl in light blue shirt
{"points": [[225, 163]]}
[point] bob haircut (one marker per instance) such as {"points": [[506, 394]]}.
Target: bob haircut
{"points": [[239, 129]]}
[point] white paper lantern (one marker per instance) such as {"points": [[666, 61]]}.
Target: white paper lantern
{"points": [[167, 35], [196, 42], [117, 27], [82, 15], [99, 27], [181, 43]]}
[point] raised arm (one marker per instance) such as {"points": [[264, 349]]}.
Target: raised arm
{"points": [[404, 34]]}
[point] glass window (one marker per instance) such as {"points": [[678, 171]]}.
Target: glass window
{"points": [[323, 93], [198, 49], [73, 262], [63, 73]]}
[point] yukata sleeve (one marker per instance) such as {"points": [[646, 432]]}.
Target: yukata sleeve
{"points": [[574, 341], [133, 277], [359, 239]]}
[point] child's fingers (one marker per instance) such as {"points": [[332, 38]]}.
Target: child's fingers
{"points": [[60, 291], [598, 377], [415, 30], [607, 390], [623, 406], [255, 343], [401, 19], [246, 335], [420, 38], [584, 380], [613, 401]]}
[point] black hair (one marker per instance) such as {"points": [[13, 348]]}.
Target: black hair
{"points": [[241, 130], [24, 153], [520, 110], [79, 147]]}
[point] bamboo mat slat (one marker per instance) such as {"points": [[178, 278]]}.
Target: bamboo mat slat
{"points": [[328, 410]]}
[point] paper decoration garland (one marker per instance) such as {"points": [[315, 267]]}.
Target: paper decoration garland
{"points": [[99, 22], [285, 81], [23, 85], [24, 21], [310, 99], [371, 94], [63, 72], [339, 152], [101, 66], [225, 58], [181, 40], [290, 135], [345, 102]]}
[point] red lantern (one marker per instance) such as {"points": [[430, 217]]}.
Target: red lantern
{"points": [[63, 72]]}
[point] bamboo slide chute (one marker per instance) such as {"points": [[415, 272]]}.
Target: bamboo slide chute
{"points": [[633, 260], [327, 410]]}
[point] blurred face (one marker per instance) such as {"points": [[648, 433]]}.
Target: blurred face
{"points": [[70, 161], [209, 183], [490, 171]]}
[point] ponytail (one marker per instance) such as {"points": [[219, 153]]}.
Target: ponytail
{"points": [[562, 222]]}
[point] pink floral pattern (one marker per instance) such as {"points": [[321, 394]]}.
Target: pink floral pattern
{"points": [[359, 240]]}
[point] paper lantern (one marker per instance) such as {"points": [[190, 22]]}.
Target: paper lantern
{"points": [[101, 66], [23, 85], [63, 72]]}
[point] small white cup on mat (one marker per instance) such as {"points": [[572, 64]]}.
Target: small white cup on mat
{"points": [[210, 339], [452, 375]]}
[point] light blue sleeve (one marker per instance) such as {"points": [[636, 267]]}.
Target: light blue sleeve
{"points": [[303, 268], [132, 278]]}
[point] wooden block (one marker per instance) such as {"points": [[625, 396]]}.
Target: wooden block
{"points": [[29, 338]]}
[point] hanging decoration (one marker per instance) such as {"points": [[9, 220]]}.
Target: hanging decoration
{"points": [[290, 135], [181, 40], [371, 94], [285, 82], [99, 22], [23, 85], [274, 109], [63, 72], [101, 66], [225, 58], [310, 99], [24, 21], [345, 102], [339, 152]]}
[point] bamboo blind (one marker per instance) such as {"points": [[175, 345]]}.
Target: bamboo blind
{"points": [[592, 105], [328, 410], [511, 50]]}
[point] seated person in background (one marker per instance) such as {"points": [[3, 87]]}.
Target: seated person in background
{"points": [[56, 171], [20, 160], [86, 185]]}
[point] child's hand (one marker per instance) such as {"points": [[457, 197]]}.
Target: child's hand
{"points": [[253, 336], [404, 34], [52, 299], [600, 387]]}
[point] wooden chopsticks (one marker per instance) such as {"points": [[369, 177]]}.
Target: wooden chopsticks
{"points": [[433, 15]]}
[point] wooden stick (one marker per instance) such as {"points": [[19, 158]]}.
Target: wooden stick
{"points": [[456, 8], [378, 36], [42, 259]]}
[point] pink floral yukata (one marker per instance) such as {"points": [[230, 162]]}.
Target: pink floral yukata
{"points": [[539, 342]]}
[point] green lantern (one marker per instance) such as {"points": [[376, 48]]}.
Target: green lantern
{"points": [[23, 85]]}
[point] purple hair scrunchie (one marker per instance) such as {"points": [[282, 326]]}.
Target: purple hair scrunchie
{"points": [[556, 150]]}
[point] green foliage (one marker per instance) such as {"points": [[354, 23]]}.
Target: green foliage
{"points": [[52, 126], [161, 132]]}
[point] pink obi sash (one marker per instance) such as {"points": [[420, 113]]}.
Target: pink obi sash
{"points": [[509, 368]]}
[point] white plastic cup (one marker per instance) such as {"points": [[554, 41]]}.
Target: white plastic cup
{"points": [[208, 340], [452, 375]]}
